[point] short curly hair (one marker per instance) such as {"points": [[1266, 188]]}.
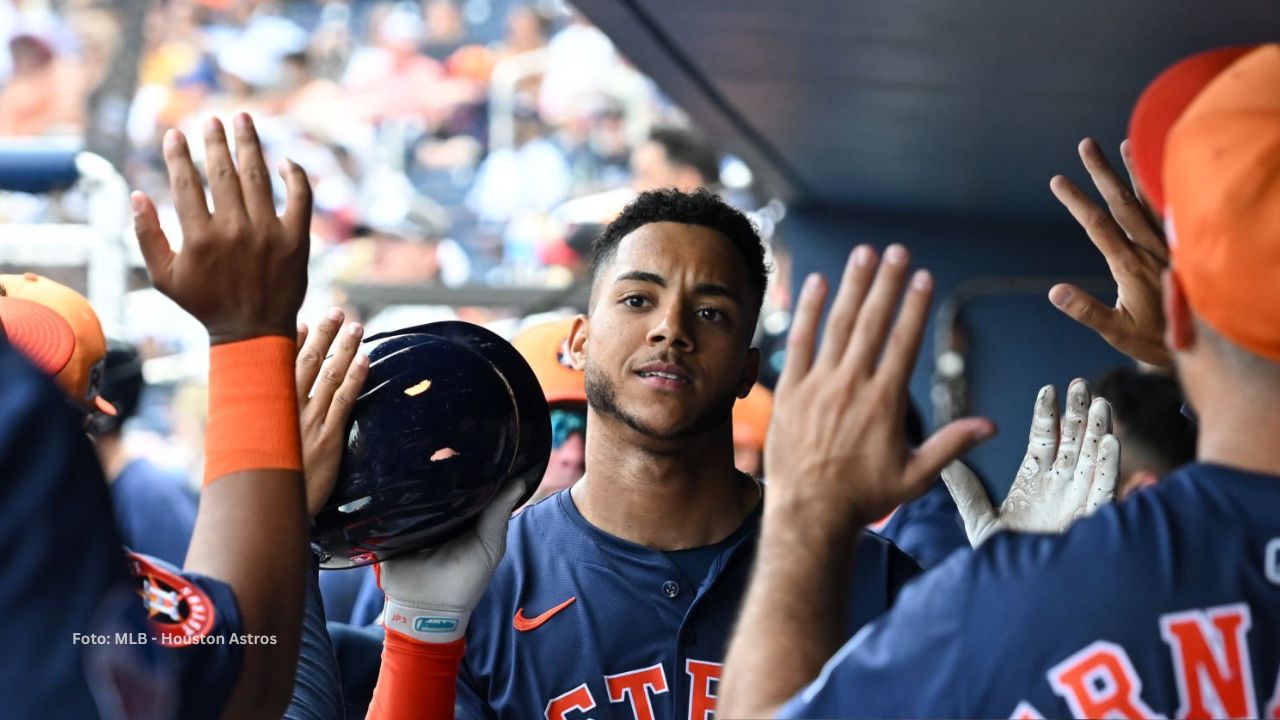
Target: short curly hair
{"points": [[700, 207]]}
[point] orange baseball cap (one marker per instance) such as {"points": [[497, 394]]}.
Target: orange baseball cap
{"points": [[751, 417], [545, 348], [1160, 106], [57, 329], [1222, 198]]}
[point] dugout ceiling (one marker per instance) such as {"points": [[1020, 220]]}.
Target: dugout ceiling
{"points": [[917, 105]]}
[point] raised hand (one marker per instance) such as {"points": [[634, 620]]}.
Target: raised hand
{"points": [[242, 270], [327, 392], [1130, 239], [1070, 470], [836, 457]]}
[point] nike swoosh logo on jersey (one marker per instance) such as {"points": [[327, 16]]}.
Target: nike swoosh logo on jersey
{"points": [[524, 624]]}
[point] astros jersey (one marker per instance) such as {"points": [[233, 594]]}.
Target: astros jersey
{"points": [[577, 623], [1165, 604], [73, 599]]}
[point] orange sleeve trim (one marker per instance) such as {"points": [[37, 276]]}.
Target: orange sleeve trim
{"points": [[417, 680], [253, 408]]}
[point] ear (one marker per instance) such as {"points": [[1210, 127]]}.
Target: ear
{"points": [[750, 373], [1137, 481], [578, 342], [1179, 328]]}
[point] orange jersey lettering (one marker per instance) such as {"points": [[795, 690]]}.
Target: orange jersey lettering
{"points": [[1099, 681], [1211, 661]]}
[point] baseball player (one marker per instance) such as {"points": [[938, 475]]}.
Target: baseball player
{"points": [[545, 348], [750, 428], [615, 599], [1166, 604], [228, 623]]}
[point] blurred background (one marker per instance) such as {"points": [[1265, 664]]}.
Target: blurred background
{"points": [[463, 154]]}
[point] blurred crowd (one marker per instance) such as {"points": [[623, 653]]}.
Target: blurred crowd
{"points": [[450, 143], [439, 136]]}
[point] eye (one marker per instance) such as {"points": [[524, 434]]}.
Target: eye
{"points": [[635, 301], [710, 314]]}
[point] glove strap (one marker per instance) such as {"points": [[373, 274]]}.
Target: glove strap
{"points": [[427, 625]]}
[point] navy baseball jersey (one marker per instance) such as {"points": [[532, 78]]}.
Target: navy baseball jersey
{"points": [[580, 624], [1165, 604]]}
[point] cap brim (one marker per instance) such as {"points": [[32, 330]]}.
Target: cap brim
{"points": [[1160, 106], [39, 333]]}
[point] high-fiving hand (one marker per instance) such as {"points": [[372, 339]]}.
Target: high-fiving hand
{"points": [[242, 270], [1070, 470], [837, 458], [1133, 244]]}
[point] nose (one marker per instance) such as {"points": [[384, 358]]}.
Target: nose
{"points": [[672, 328]]}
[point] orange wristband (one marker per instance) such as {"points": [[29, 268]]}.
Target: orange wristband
{"points": [[253, 408], [417, 680]]}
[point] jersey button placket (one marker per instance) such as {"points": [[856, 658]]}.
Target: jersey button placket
{"points": [[671, 589]]}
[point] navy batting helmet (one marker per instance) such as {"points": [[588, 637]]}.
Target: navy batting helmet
{"points": [[449, 414]]}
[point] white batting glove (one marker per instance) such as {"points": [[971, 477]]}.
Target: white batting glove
{"points": [[430, 595], [1070, 470]]}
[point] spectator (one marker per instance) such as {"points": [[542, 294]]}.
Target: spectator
{"points": [[675, 157], [43, 94]]}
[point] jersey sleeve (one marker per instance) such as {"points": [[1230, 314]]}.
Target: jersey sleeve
{"points": [[909, 663], [197, 621]]}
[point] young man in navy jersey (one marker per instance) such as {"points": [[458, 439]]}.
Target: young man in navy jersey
{"points": [[615, 598], [1165, 604]]}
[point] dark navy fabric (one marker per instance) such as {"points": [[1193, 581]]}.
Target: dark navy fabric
{"points": [[340, 590], [317, 688], [153, 510], [695, 563], [62, 551], [369, 602], [1166, 603], [359, 653], [928, 528], [636, 632]]}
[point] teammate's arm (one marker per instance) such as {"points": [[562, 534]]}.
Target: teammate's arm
{"points": [[242, 272], [430, 597], [836, 461]]}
